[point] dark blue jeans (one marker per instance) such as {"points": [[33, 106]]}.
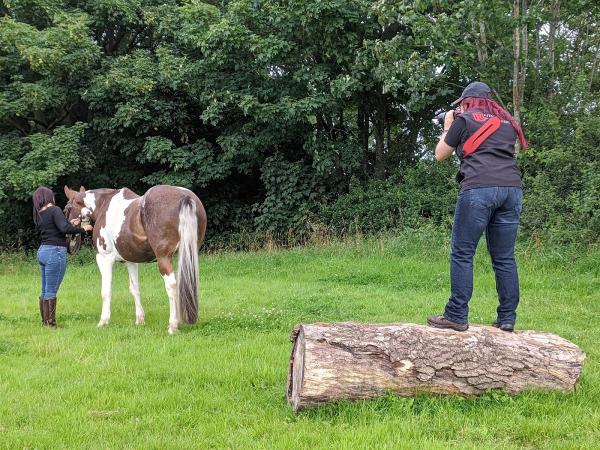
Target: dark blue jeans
{"points": [[53, 263], [495, 211]]}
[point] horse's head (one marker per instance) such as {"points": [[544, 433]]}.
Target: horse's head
{"points": [[77, 207]]}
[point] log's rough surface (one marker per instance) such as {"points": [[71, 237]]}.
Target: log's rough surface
{"points": [[350, 361]]}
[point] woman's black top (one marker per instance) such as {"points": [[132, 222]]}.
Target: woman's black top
{"points": [[53, 226], [494, 163]]}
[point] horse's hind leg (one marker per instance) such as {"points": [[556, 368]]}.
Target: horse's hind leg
{"points": [[134, 288], [105, 264], [165, 266]]}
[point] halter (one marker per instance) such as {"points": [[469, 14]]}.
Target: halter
{"points": [[67, 209]]}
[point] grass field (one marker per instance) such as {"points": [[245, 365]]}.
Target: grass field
{"points": [[221, 384]]}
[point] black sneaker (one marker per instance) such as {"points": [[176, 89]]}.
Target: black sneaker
{"points": [[442, 322], [509, 327]]}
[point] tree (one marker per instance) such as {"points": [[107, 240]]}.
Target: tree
{"points": [[275, 111]]}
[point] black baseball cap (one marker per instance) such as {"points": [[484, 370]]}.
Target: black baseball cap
{"points": [[475, 89]]}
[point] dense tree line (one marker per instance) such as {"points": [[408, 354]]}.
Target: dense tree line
{"points": [[287, 114]]}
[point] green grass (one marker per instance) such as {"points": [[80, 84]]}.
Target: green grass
{"points": [[221, 384]]}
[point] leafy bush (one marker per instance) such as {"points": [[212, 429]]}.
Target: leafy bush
{"points": [[562, 186], [424, 192]]}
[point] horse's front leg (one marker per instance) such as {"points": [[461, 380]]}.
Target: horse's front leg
{"points": [[105, 264], [165, 266], [134, 288]]}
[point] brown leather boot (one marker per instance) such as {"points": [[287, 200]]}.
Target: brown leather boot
{"points": [[509, 327], [43, 311], [442, 322], [51, 312]]}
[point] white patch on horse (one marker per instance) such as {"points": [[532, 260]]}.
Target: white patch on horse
{"points": [[174, 315], [115, 218], [105, 264], [89, 200], [134, 288]]}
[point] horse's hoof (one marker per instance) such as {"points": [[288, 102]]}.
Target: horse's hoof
{"points": [[102, 323], [140, 321], [172, 331]]}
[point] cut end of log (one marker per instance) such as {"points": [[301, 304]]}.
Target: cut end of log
{"points": [[338, 361], [296, 369]]}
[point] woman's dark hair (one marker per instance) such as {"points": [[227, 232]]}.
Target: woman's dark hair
{"points": [[489, 106], [41, 197]]}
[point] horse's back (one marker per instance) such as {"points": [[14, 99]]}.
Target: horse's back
{"points": [[121, 233], [160, 209]]}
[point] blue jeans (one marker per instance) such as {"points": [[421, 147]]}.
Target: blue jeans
{"points": [[53, 263], [495, 211]]}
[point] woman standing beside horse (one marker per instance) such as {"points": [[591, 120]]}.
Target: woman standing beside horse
{"points": [[52, 253]]}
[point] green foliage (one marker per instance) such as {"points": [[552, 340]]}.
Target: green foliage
{"points": [[563, 185], [38, 159], [290, 190], [281, 113], [423, 193]]}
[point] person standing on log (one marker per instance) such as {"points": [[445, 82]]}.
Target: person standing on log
{"points": [[483, 134], [52, 253]]}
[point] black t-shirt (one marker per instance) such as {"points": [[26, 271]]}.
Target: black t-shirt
{"points": [[53, 226], [494, 163]]}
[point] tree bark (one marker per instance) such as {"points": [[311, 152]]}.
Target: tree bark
{"points": [[481, 41], [483, 38], [555, 9], [525, 54], [516, 61], [332, 362]]}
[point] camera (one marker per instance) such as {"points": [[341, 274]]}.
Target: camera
{"points": [[439, 118]]}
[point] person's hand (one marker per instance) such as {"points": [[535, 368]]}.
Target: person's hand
{"points": [[75, 222], [448, 119], [88, 227]]}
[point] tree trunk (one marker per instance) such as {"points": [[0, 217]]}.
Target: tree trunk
{"points": [[332, 362], [538, 55], [362, 119], [555, 8], [481, 41], [516, 61], [525, 54], [483, 38], [594, 65], [379, 135]]}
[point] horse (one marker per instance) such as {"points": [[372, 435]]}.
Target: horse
{"points": [[137, 229]]}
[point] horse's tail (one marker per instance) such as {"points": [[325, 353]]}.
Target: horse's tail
{"points": [[187, 268]]}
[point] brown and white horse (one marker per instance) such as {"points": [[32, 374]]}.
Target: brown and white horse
{"points": [[133, 229]]}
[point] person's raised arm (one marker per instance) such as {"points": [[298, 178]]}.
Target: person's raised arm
{"points": [[443, 150], [63, 225]]}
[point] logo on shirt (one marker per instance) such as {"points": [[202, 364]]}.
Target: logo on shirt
{"points": [[479, 117]]}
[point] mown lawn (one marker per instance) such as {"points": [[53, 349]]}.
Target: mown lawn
{"points": [[221, 384]]}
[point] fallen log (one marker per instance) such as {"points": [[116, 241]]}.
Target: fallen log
{"points": [[334, 361]]}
